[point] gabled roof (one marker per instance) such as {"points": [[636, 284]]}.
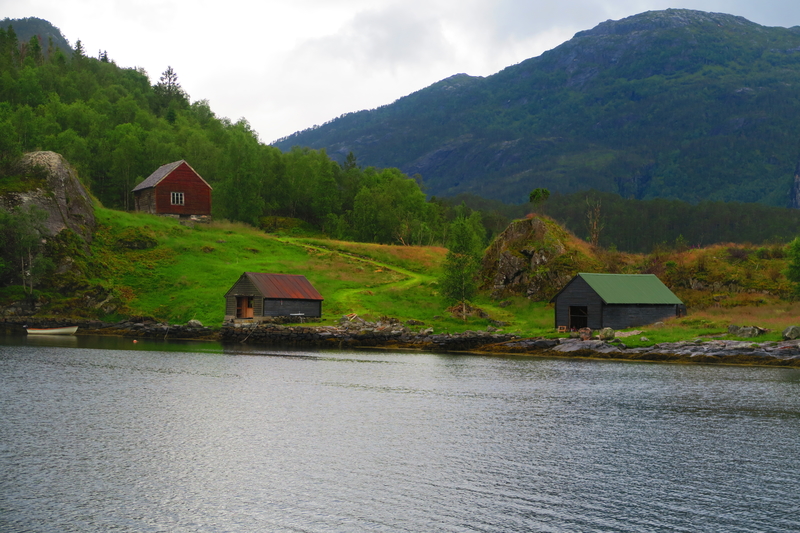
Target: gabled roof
{"points": [[629, 289], [162, 172], [286, 286]]}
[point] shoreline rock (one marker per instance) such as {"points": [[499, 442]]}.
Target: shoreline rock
{"points": [[771, 353], [394, 335], [389, 334], [128, 328]]}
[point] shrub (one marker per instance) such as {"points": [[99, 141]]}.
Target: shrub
{"points": [[738, 254], [777, 251], [702, 263], [134, 238]]}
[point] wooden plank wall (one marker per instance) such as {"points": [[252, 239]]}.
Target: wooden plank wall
{"points": [[276, 307], [626, 316], [578, 292], [243, 287], [197, 195], [145, 201]]}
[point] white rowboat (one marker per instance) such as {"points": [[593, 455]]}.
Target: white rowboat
{"points": [[69, 330]]}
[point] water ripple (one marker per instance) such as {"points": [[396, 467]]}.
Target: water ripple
{"points": [[171, 439]]}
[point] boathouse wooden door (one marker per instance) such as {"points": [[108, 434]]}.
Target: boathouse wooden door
{"points": [[578, 316], [244, 307]]}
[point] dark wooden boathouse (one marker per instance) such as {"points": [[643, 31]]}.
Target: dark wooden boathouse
{"points": [[256, 296], [616, 301], [175, 189]]}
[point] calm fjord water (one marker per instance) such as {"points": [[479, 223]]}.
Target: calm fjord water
{"points": [[200, 437]]}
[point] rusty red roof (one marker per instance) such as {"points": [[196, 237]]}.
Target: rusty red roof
{"points": [[288, 286]]}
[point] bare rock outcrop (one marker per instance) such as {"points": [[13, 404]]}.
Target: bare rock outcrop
{"points": [[57, 192], [533, 257]]}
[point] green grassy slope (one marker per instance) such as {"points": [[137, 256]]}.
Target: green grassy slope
{"points": [[185, 272], [161, 269]]}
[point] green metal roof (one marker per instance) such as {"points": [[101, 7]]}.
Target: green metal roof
{"points": [[630, 289]]}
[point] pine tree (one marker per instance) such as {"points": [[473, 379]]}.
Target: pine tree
{"points": [[168, 83], [34, 50], [78, 54], [169, 93]]}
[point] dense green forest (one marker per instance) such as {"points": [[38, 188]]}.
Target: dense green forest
{"points": [[116, 128], [641, 226], [674, 104]]}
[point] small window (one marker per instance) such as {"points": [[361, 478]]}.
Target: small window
{"points": [[177, 198]]}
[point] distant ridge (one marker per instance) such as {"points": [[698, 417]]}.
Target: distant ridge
{"points": [[675, 104], [25, 28]]}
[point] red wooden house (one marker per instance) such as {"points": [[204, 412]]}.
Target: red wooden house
{"points": [[174, 189]]}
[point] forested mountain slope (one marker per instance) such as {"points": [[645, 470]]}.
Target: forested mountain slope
{"points": [[115, 129], [675, 104], [49, 36], [116, 125]]}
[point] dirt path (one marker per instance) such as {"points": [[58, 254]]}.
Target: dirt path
{"points": [[351, 298]]}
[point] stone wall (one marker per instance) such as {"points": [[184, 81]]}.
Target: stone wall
{"points": [[363, 334]]}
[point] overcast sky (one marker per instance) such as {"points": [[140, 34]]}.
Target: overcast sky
{"points": [[287, 65]]}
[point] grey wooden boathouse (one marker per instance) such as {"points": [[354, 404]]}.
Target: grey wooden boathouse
{"points": [[617, 301], [257, 295]]}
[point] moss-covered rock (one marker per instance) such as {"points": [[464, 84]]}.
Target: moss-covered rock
{"points": [[535, 257], [136, 238], [47, 181]]}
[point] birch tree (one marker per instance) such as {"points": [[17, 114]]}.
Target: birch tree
{"points": [[461, 265]]}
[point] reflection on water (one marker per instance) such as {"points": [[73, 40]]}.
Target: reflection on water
{"points": [[105, 434], [49, 340], [112, 343]]}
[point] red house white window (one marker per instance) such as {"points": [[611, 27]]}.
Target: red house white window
{"points": [[177, 198]]}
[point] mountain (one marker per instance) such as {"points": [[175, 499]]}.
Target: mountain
{"points": [[674, 104], [27, 27]]}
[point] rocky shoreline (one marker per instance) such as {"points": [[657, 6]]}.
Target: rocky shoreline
{"points": [[774, 353], [349, 334], [394, 335], [129, 328]]}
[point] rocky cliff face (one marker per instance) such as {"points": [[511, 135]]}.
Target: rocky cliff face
{"points": [[534, 257], [616, 42], [59, 194], [46, 181]]}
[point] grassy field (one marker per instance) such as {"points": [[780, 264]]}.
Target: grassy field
{"points": [[174, 273], [713, 322], [185, 272]]}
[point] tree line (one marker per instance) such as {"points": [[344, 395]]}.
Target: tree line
{"points": [[116, 128], [632, 225]]}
